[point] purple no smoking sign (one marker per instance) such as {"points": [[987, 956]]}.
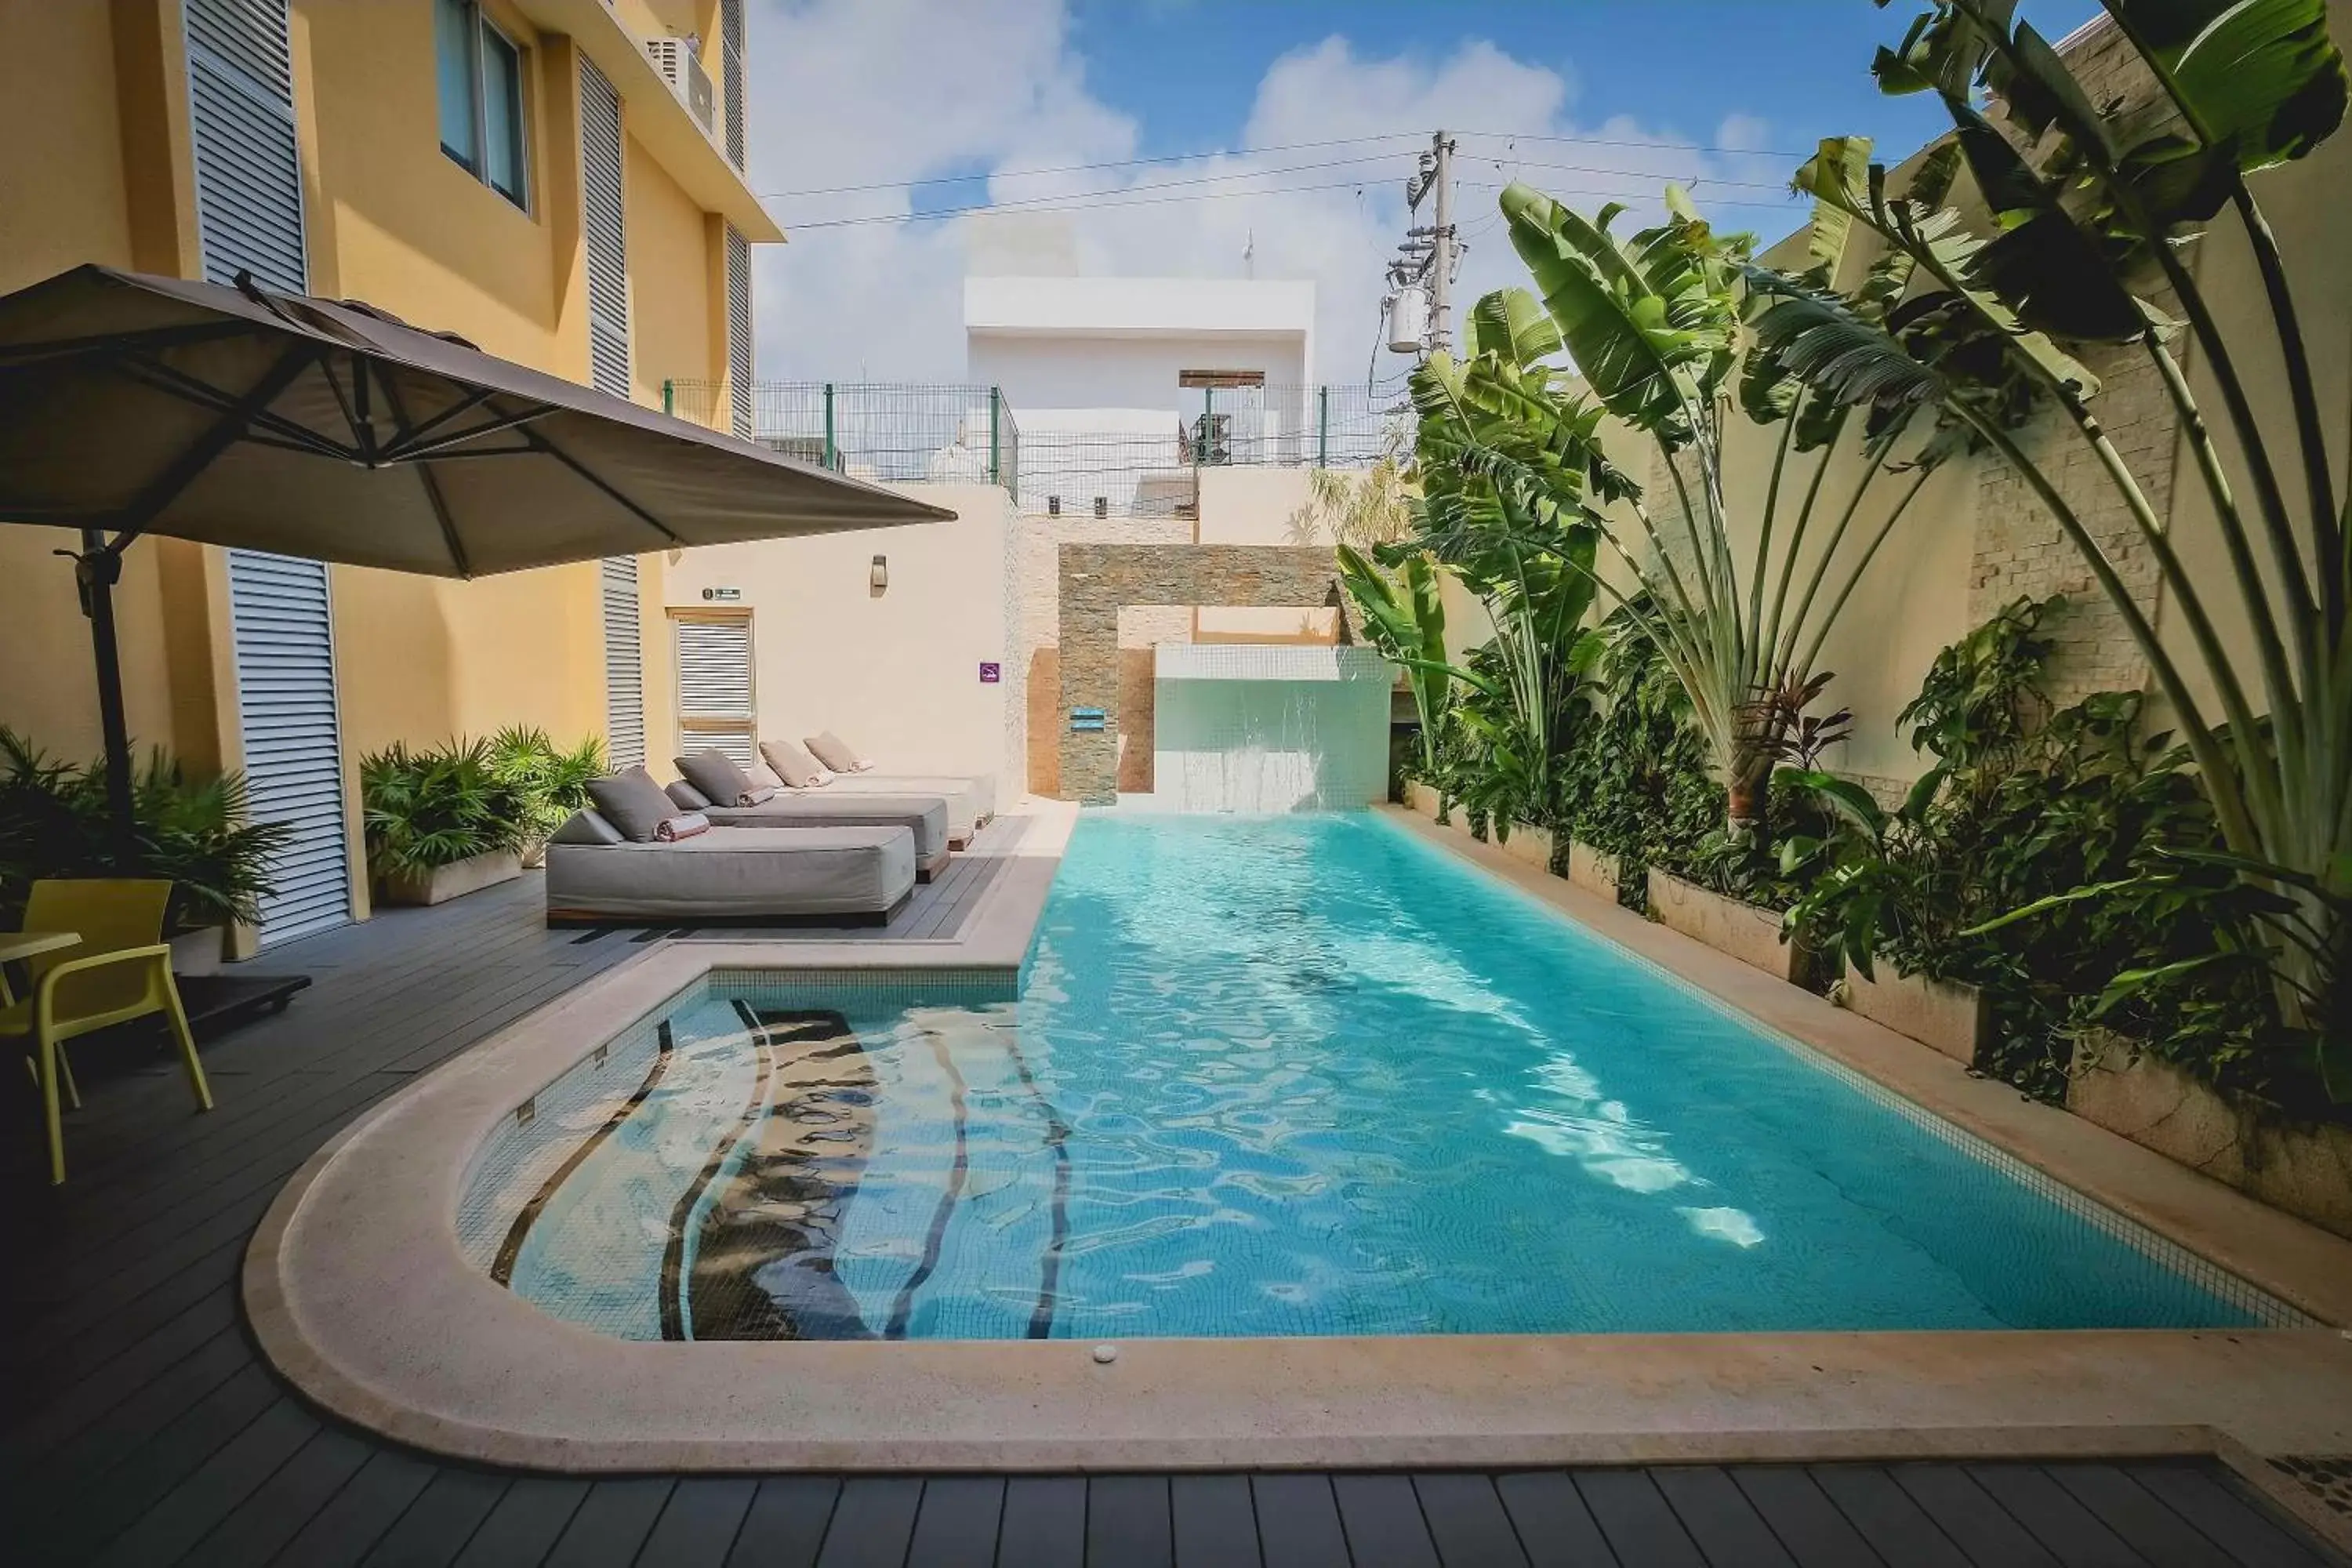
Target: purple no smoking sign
{"points": [[990, 674]]}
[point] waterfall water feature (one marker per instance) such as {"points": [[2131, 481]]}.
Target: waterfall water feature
{"points": [[1255, 728]]}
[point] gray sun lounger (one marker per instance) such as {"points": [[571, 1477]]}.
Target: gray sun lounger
{"points": [[840, 875], [971, 800], [924, 816]]}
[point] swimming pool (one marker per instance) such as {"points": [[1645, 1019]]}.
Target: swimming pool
{"points": [[1289, 1075]]}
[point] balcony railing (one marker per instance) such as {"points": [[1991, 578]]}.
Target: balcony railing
{"points": [[905, 432]]}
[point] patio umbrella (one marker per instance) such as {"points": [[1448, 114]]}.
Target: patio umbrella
{"points": [[132, 405]]}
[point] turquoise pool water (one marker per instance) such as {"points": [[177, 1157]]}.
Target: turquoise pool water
{"points": [[1302, 1075]]}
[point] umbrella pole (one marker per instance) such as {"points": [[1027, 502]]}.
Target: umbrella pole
{"points": [[96, 570]]}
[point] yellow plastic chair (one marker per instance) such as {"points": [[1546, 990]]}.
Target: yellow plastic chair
{"points": [[121, 970]]}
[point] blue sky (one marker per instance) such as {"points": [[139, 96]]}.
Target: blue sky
{"points": [[1188, 69], [1135, 109]]}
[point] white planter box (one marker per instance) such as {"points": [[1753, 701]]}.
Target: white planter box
{"points": [[454, 881], [197, 952], [1422, 798], [2306, 1170], [1747, 933], [1590, 869], [1952, 1018], [1532, 844]]}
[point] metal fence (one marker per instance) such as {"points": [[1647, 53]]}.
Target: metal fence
{"points": [[892, 431], [1070, 462]]}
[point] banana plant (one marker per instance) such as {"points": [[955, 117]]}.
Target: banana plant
{"points": [[1404, 617], [2092, 206], [1526, 551]]}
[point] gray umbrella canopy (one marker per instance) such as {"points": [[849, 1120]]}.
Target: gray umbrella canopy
{"points": [[297, 425], [132, 405]]}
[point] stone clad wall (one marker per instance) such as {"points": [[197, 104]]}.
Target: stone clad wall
{"points": [[1038, 652], [1097, 581], [2019, 549]]}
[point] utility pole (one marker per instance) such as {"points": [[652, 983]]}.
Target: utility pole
{"points": [[1422, 272], [1441, 263]]}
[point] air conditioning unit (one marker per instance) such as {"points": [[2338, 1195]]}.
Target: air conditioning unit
{"points": [[679, 60]]}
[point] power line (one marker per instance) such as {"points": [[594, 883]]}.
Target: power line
{"points": [[1017, 202], [1619, 196], [1624, 141], [1647, 174], [1078, 168], [914, 182], [1054, 205]]}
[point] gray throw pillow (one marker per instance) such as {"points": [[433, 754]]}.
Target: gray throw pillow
{"points": [[631, 803], [586, 828], [689, 799], [716, 778], [833, 752], [792, 764]]}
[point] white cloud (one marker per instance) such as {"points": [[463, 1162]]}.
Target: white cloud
{"points": [[850, 92]]}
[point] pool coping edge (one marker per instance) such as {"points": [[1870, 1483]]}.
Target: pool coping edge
{"points": [[2291, 1258], [354, 1329]]}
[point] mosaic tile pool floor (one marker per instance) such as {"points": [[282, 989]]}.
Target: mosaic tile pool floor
{"points": [[1299, 1075]]}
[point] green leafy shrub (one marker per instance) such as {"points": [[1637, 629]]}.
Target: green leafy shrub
{"points": [[1634, 779], [553, 782], [435, 807], [54, 821], [2023, 809], [430, 808]]}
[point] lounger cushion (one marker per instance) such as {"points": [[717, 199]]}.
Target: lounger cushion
{"points": [[586, 827], [794, 764], [633, 803], [971, 800], [717, 777], [735, 873], [924, 816], [835, 752]]}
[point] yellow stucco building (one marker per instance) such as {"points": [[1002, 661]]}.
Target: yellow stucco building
{"points": [[559, 182]]}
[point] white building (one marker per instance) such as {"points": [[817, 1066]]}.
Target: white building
{"points": [[1121, 386]]}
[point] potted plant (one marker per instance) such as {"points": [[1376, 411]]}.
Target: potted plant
{"points": [[441, 823], [552, 784], [54, 821]]}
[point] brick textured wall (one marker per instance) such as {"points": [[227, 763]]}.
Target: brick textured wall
{"points": [[2020, 551], [1097, 581], [1038, 571]]}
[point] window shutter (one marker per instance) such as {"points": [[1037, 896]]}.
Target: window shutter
{"points": [[738, 331], [293, 748], [248, 169], [625, 682], [603, 221], [730, 65], [715, 709], [281, 631], [607, 230]]}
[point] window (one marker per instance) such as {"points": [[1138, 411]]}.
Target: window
{"points": [[716, 711], [479, 70]]}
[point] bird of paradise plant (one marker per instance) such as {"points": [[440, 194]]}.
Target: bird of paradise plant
{"points": [[2092, 206]]}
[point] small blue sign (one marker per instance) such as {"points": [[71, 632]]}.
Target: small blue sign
{"points": [[1085, 719]]}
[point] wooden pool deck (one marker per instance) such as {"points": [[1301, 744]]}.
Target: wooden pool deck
{"points": [[138, 1427]]}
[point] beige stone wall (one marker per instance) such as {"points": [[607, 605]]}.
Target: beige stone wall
{"points": [[896, 673], [1255, 506], [1097, 583]]}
